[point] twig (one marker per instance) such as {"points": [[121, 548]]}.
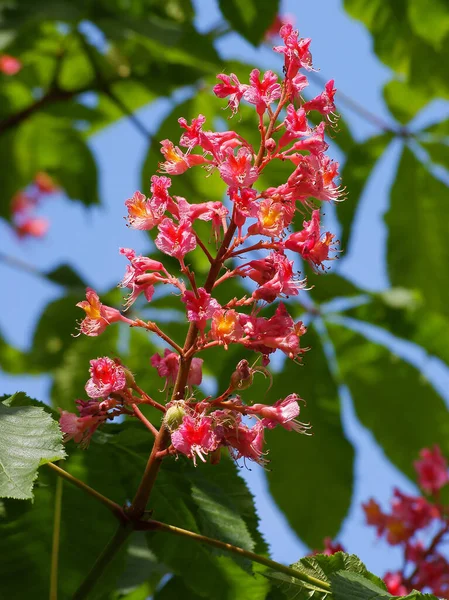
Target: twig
{"points": [[55, 541], [110, 504], [139, 414], [152, 525]]}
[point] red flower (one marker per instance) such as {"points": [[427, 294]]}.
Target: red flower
{"points": [[237, 170], [175, 239], [231, 87], [262, 93], [432, 470], [98, 316], [107, 377], [200, 308], [195, 437]]}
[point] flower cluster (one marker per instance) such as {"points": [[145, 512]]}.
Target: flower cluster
{"points": [[250, 219], [412, 521], [24, 203]]}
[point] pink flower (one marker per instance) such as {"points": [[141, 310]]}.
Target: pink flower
{"points": [[296, 51], [262, 93], [32, 227], [138, 280], [283, 412], [176, 162], [296, 125], [237, 170], [106, 377], [205, 211], [277, 332], [432, 470], [44, 183], [168, 367], [273, 216], [331, 547], [195, 437], [308, 242], [226, 326], [9, 65], [245, 204], [314, 143], [246, 442], [193, 133], [98, 316], [394, 583], [324, 103], [275, 277], [374, 516], [200, 309], [273, 31], [231, 87], [176, 239], [79, 429], [142, 213]]}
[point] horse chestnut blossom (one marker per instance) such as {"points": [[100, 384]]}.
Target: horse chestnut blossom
{"points": [[419, 526], [251, 239]]}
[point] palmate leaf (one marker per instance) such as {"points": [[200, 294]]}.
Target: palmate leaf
{"points": [[29, 437], [252, 18], [344, 572], [417, 198], [401, 312], [391, 398]]}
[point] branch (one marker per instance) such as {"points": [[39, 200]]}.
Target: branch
{"points": [[106, 88], [152, 525], [116, 510]]}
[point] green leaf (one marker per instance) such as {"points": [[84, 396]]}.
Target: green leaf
{"points": [[66, 276], [429, 21], [352, 586], [252, 18], [45, 143], [403, 101], [192, 499], [417, 233], [29, 437], [54, 332], [86, 526], [402, 313], [13, 360], [360, 161], [328, 286], [438, 152], [398, 44], [324, 460], [175, 589], [328, 569], [391, 398]]}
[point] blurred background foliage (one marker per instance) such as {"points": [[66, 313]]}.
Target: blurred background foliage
{"points": [[86, 64]]}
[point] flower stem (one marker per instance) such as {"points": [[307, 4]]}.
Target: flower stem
{"points": [[158, 526], [110, 504], [117, 541], [139, 414], [55, 541]]}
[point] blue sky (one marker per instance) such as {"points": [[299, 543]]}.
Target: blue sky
{"points": [[89, 240]]}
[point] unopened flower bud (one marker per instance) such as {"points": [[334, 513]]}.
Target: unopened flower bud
{"points": [[174, 415], [242, 377], [270, 145]]}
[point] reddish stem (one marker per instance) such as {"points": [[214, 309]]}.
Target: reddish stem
{"points": [[139, 414]]}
